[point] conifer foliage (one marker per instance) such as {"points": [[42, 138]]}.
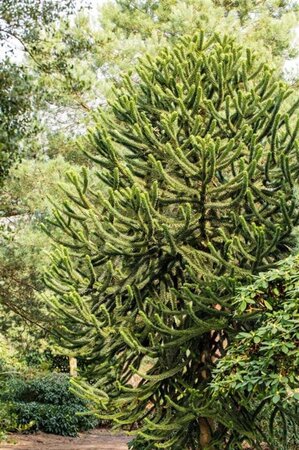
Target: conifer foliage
{"points": [[199, 159]]}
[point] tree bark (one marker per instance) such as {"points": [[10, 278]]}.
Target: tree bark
{"points": [[73, 366], [205, 434]]}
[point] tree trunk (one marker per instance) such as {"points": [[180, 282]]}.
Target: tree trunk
{"points": [[205, 434], [73, 366]]}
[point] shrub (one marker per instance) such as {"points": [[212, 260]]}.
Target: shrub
{"points": [[50, 389], [46, 403], [261, 365], [56, 419], [8, 419]]}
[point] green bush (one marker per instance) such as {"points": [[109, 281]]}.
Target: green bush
{"points": [[52, 388], [260, 367], [56, 419], [46, 403], [8, 419]]}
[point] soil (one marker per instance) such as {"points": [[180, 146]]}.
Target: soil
{"points": [[101, 439]]}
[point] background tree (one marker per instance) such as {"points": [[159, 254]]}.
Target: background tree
{"points": [[199, 160], [24, 319], [16, 115], [21, 23], [24, 20], [20, 137]]}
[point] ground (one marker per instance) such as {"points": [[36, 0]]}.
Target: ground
{"points": [[94, 440]]}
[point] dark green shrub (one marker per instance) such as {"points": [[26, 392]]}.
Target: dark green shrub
{"points": [[53, 389], [8, 419], [56, 419], [47, 404]]}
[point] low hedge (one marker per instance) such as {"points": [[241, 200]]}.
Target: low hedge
{"points": [[56, 419], [45, 403]]}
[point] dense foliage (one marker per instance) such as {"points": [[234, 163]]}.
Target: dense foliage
{"points": [[261, 365], [45, 403], [21, 24], [67, 72], [16, 114], [199, 161], [24, 19], [269, 339]]}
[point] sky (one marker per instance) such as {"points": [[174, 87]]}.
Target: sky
{"points": [[291, 66]]}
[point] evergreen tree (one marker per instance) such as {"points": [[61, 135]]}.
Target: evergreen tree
{"points": [[94, 47], [199, 159]]}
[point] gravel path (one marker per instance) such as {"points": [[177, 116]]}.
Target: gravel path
{"points": [[94, 440]]}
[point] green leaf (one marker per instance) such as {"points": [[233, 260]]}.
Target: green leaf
{"points": [[276, 399], [242, 306], [244, 335], [268, 305]]}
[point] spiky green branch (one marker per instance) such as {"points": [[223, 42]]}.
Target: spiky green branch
{"points": [[199, 159]]}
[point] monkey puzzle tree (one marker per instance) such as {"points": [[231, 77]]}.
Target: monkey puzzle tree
{"points": [[199, 160]]}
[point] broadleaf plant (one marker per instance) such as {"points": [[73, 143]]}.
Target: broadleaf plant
{"points": [[261, 365]]}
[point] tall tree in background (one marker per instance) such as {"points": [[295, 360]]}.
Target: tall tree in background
{"points": [[16, 114], [199, 160], [21, 23], [23, 20], [21, 99], [92, 50]]}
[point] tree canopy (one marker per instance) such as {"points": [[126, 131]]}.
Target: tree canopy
{"points": [[199, 159]]}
